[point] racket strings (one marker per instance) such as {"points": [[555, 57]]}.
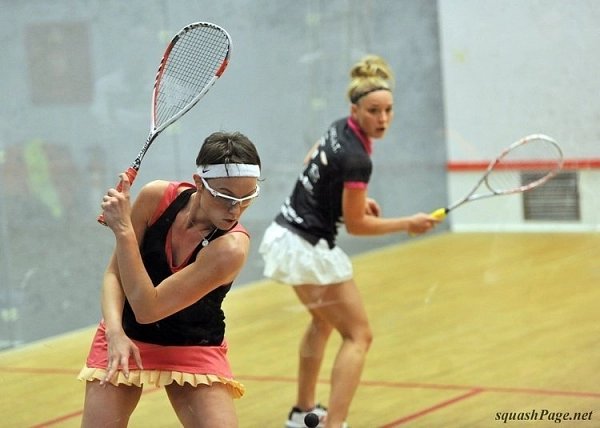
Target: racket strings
{"points": [[191, 66], [526, 164]]}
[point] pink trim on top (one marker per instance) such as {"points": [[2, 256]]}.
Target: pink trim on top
{"points": [[364, 139], [171, 192], [355, 185]]}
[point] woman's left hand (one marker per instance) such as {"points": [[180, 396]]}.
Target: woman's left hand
{"points": [[372, 208], [121, 349]]}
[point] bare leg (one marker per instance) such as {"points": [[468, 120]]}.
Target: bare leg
{"points": [[312, 347], [108, 405], [340, 306], [203, 406]]}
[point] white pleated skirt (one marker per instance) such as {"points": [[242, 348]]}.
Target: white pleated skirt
{"points": [[292, 260]]}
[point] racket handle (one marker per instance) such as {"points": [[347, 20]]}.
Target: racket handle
{"points": [[131, 174], [439, 214]]}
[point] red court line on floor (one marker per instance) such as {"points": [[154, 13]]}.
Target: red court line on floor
{"points": [[433, 408], [470, 391], [77, 414], [58, 420], [536, 391], [37, 370], [420, 385], [499, 389]]}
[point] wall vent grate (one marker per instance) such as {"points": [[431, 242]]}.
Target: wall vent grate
{"points": [[556, 200]]}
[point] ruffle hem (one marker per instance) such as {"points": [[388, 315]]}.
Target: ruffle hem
{"points": [[161, 378]]}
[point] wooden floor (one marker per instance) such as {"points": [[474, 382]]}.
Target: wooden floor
{"points": [[466, 326]]}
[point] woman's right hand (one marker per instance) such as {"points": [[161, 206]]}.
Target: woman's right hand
{"points": [[116, 207], [420, 223], [120, 349]]}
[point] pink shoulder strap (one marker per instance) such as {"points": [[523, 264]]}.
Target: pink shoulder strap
{"points": [[171, 192]]}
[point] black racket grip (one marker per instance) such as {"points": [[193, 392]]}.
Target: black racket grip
{"points": [[131, 174]]}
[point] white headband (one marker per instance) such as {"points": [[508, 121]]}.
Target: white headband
{"points": [[229, 170]]}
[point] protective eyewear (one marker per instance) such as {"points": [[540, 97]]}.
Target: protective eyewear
{"points": [[230, 201]]}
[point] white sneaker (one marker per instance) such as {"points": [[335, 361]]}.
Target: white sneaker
{"points": [[297, 415]]}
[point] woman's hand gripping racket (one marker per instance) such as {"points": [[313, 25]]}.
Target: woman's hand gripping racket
{"points": [[536, 152], [193, 61]]}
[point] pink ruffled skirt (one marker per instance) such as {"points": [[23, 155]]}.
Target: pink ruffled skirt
{"points": [[163, 365]]}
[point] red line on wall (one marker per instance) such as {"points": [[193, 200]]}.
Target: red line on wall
{"points": [[569, 164]]}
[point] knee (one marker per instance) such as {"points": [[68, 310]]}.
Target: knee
{"points": [[362, 337], [367, 338]]}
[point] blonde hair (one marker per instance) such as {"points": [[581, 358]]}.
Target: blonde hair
{"points": [[371, 73]]}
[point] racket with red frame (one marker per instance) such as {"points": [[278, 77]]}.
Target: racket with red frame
{"points": [[537, 153], [193, 61]]}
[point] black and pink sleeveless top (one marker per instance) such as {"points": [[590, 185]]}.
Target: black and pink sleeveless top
{"points": [[202, 323]]}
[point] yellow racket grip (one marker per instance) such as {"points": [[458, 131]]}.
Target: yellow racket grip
{"points": [[439, 214]]}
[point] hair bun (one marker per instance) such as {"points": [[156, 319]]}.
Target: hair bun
{"points": [[371, 66], [369, 74]]}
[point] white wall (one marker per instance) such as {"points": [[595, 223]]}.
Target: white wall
{"points": [[505, 213], [517, 67]]}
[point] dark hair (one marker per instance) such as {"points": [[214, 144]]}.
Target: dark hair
{"points": [[227, 147]]}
